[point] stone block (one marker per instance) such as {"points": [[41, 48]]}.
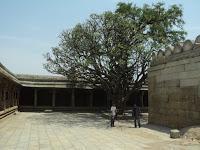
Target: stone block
{"points": [[189, 82], [155, 73], [188, 91], [151, 84], [192, 66], [196, 46], [176, 63], [183, 106], [174, 98], [154, 68], [194, 59], [198, 92], [197, 40], [172, 83], [173, 69], [154, 59], [161, 59], [155, 99], [160, 85], [175, 133], [164, 105], [177, 48], [168, 52], [189, 74], [188, 45], [173, 90], [160, 54], [195, 115], [184, 58], [168, 77], [163, 98]]}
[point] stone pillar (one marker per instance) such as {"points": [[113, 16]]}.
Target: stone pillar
{"points": [[4, 98], [13, 98], [91, 99], [1, 97], [10, 95], [35, 97], [53, 97], [4, 86], [142, 98], [6, 95], [73, 98], [18, 96], [11, 90], [14, 95]]}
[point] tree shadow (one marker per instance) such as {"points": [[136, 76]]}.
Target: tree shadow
{"points": [[71, 119], [143, 120], [89, 120], [158, 128]]}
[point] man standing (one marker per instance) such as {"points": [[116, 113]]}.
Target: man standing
{"points": [[113, 114], [136, 115]]}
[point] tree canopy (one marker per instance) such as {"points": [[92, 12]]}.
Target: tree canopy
{"points": [[113, 50]]}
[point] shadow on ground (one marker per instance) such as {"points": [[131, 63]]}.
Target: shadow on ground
{"points": [[91, 120], [71, 119], [157, 128]]}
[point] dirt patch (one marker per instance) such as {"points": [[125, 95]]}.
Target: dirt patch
{"points": [[192, 132]]}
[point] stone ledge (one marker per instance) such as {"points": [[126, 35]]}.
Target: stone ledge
{"points": [[8, 111], [179, 51]]}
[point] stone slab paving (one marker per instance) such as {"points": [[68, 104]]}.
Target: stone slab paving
{"points": [[82, 131]]}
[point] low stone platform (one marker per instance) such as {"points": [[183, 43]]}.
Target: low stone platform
{"points": [[8, 111], [175, 134], [83, 131]]}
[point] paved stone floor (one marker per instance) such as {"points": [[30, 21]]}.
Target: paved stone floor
{"points": [[83, 131]]}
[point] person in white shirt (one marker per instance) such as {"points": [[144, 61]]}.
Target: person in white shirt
{"points": [[113, 114]]}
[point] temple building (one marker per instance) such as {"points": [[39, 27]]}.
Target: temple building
{"points": [[40, 92]]}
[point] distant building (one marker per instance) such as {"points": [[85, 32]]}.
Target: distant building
{"points": [[39, 92]]}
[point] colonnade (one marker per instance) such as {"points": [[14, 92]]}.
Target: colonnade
{"points": [[55, 97]]}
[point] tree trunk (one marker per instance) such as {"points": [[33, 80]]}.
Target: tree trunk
{"points": [[119, 101]]}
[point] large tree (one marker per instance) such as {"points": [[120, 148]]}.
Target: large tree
{"points": [[113, 50]]}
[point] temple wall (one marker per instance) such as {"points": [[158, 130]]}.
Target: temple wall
{"points": [[174, 86]]}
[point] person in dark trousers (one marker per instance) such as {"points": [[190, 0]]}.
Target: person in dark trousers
{"points": [[113, 114], [136, 116]]}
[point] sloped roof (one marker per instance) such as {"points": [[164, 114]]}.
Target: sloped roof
{"points": [[44, 81], [7, 74], [49, 78]]}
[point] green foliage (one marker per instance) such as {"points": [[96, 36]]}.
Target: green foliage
{"points": [[113, 50]]}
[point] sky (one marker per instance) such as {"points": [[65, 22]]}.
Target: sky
{"points": [[29, 28]]}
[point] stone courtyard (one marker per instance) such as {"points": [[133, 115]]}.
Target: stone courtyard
{"points": [[83, 131]]}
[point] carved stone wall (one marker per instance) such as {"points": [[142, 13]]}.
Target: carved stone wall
{"points": [[174, 85]]}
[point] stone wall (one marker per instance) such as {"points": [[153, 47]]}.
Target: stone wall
{"points": [[174, 85]]}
